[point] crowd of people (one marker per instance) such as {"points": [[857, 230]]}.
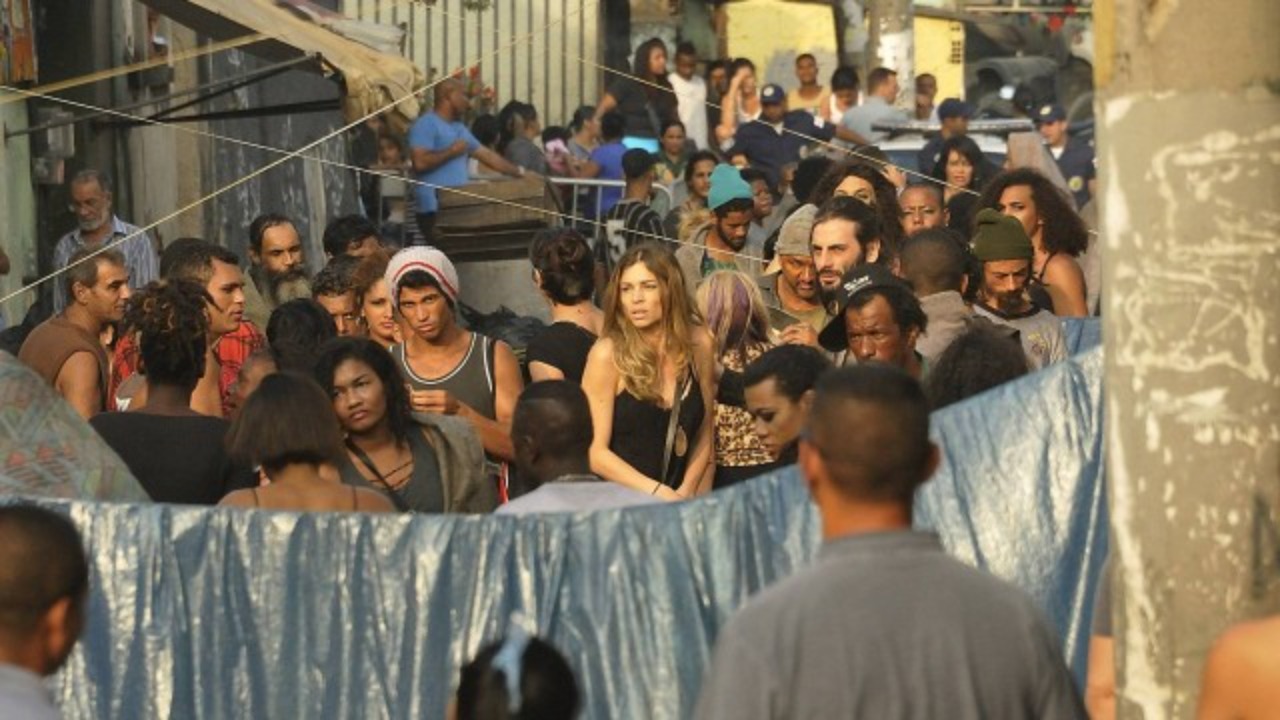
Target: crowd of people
{"points": [[798, 303]]}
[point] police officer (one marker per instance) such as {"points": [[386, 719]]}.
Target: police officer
{"points": [[1075, 157]]}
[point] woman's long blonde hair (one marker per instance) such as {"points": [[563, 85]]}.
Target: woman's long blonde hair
{"points": [[635, 359], [735, 313]]}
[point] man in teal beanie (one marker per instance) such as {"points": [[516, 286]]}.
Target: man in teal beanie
{"points": [[721, 243], [1001, 244]]}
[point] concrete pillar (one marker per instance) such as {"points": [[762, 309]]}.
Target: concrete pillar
{"points": [[891, 43], [1188, 141]]}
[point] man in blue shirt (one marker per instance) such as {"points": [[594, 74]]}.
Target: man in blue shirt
{"points": [[439, 145], [774, 141], [882, 91], [1075, 157]]}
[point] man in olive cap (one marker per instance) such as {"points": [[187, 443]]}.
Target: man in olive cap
{"points": [[1002, 246]]}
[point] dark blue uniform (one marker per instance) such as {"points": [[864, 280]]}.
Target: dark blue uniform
{"points": [[1078, 168], [768, 149]]}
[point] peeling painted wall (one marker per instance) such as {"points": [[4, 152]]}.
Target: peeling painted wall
{"points": [[1189, 162], [307, 191]]}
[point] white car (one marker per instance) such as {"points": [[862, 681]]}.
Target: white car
{"points": [[906, 140]]}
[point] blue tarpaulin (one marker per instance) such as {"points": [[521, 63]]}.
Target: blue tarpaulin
{"points": [[220, 613]]}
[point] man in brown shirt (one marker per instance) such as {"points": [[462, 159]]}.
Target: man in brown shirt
{"points": [[66, 350]]}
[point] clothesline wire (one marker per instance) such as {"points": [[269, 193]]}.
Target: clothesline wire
{"points": [[563, 216], [288, 155]]}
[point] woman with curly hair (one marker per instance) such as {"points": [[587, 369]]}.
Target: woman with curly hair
{"points": [[373, 300], [175, 452], [962, 167], [1057, 233], [739, 324], [650, 380], [860, 179]]}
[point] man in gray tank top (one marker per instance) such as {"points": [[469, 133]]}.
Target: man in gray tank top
{"points": [[884, 624], [451, 370]]}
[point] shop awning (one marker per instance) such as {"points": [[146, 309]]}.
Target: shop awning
{"points": [[372, 78]]}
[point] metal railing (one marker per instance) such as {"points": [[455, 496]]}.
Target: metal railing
{"points": [[588, 190]]}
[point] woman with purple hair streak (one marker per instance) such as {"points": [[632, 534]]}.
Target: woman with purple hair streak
{"points": [[738, 320]]}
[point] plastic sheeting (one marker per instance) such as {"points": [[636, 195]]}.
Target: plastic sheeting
{"points": [[200, 613], [47, 449]]}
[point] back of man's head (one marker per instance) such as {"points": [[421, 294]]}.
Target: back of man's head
{"points": [[879, 78], [550, 428], [344, 232], [612, 126], [934, 261], [192, 259], [44, 577], [870, 427]]}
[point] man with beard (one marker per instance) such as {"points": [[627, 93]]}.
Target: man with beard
{"points": [[277, 271], [721, 244], [1001, 244], [232, 340], [790, 283], [66, 350], [97, 225], [846, 233], [44, 585]]}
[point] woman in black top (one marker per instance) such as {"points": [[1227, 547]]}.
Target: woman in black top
{"points": [[646, 99], [174, 452], [421, 463], [654, 357], [564, 271]]}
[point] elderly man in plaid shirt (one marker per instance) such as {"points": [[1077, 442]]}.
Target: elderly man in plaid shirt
{"points": [[97, 225]]}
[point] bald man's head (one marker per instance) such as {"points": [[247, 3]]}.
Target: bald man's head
{"points": [[551, 431], [934, 261], [44, 577], [451, 100]]}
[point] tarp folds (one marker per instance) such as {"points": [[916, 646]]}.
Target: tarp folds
{"points": [[373, 79], [202, 613]]}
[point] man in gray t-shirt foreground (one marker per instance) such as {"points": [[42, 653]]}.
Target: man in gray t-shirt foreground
{"points": [[884, 624]]}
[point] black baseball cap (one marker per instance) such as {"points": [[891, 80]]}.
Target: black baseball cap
{"points": [[834, 336]]}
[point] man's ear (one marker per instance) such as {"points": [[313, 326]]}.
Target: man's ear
{"points": [[811, 467], [932, 463], [59, 629], [964, 283], [913, 336], [873, 251], [806, 402]]}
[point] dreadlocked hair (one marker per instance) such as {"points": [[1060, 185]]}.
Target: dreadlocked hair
{"points": [[171, 322]]}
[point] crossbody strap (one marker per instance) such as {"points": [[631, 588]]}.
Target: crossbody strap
{"points": [[673, 425], [367, 462]]}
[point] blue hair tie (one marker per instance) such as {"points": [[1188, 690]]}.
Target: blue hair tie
{"points": [[509, 660]]}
